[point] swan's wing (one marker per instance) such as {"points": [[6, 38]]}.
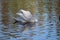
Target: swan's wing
{"points": [[21, 16], [27, 14]]}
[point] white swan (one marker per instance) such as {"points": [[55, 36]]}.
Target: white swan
{"points": [[26, 16]]}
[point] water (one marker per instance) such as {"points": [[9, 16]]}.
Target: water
{"points": [[43, 30], [32, 32]]}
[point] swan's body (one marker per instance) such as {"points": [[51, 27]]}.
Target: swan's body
{"points": [[26, 17]]}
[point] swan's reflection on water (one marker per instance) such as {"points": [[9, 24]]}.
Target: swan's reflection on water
{"points": [[17, 32]]}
